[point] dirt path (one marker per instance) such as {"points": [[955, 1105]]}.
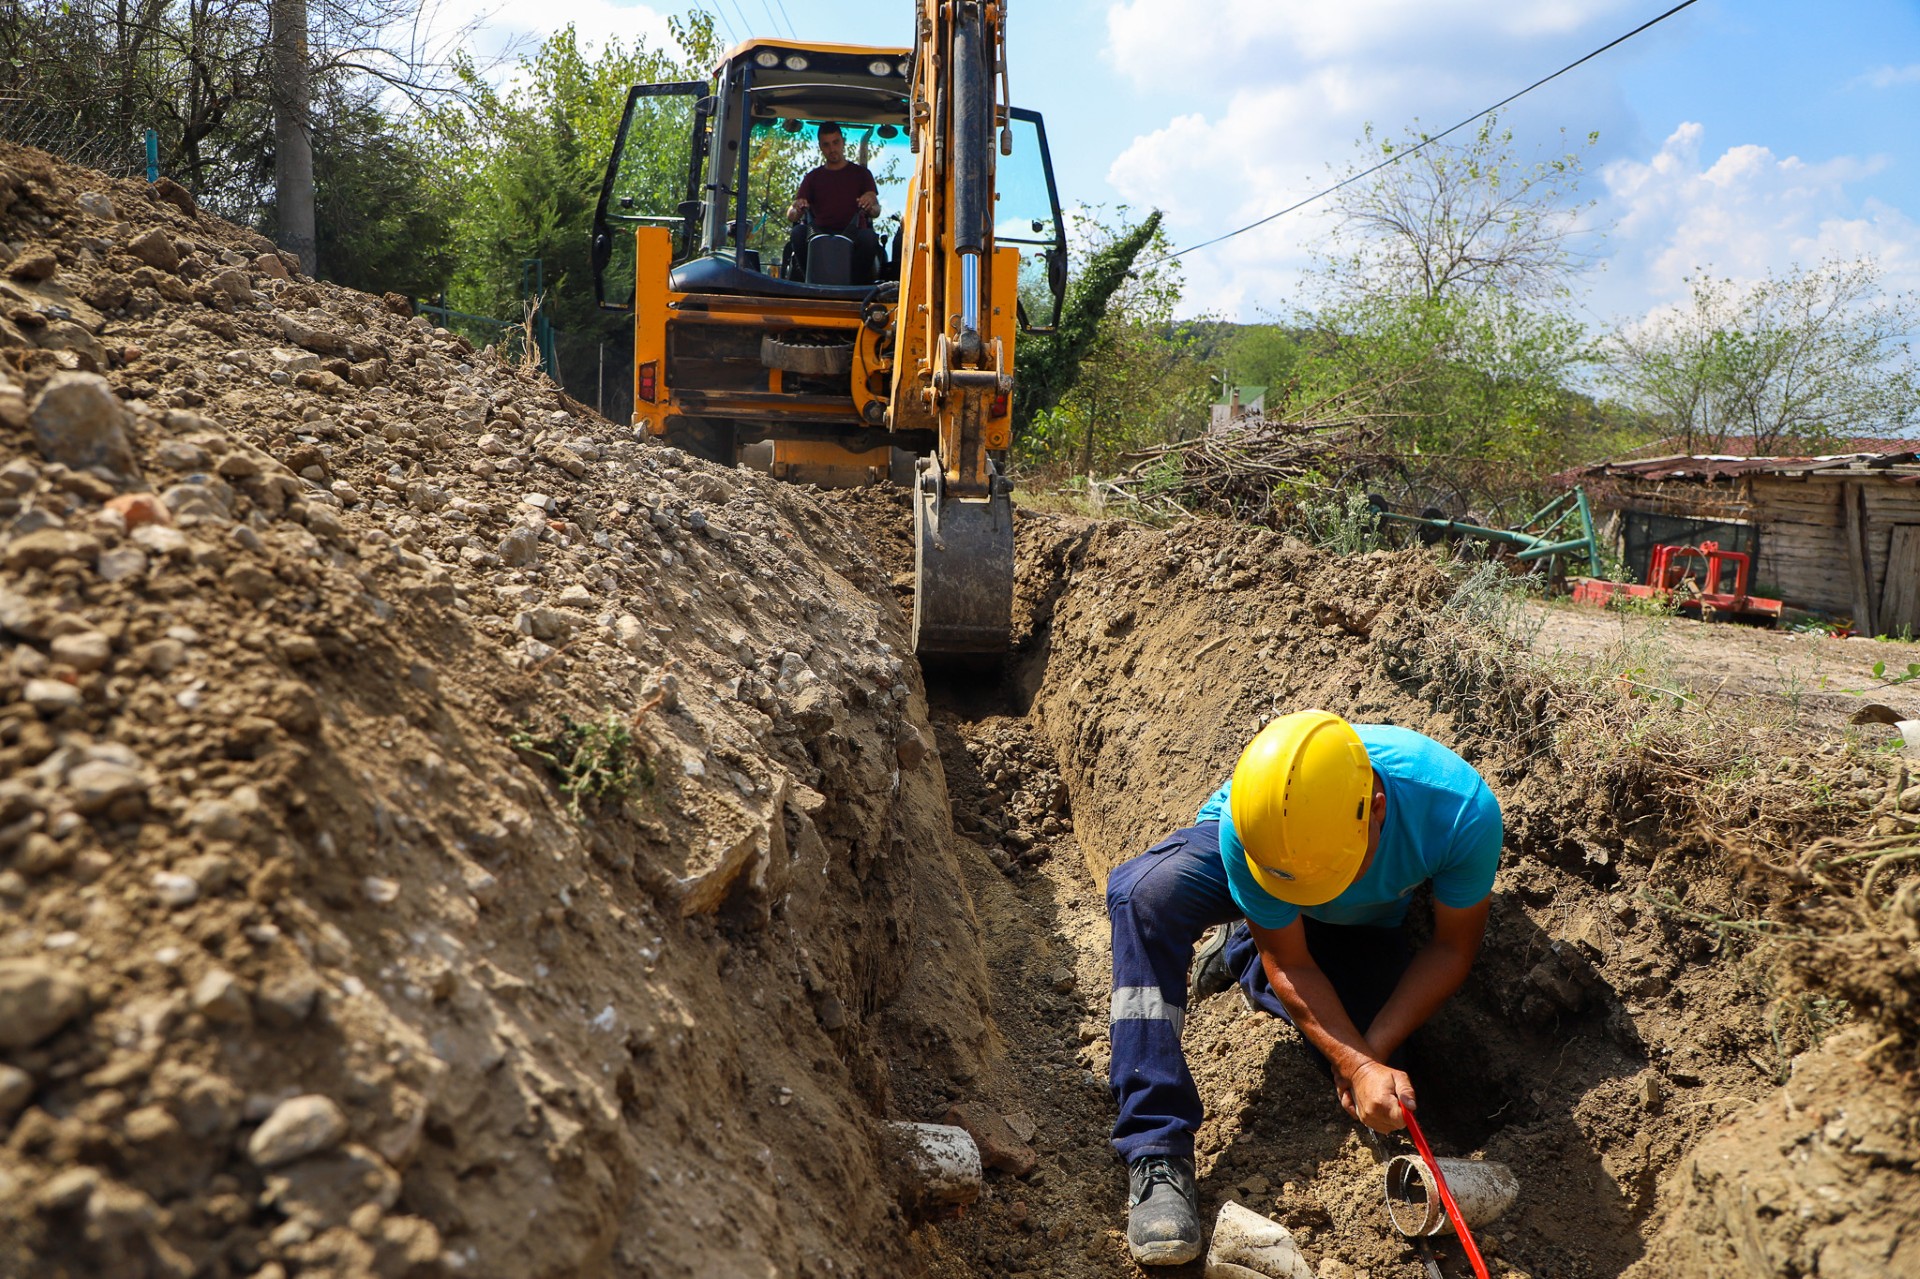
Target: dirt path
{"points": [[1810, 680]]}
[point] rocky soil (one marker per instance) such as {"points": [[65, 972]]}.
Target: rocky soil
{"points": [[441, 834], [310, 965]]}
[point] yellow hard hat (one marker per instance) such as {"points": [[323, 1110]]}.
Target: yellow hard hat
{"points": [[1301, 801]]}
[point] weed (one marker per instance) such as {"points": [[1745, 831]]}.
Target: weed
{"points": [[1793, 689], [1719, 923], [1798, 1021], [1880, 673], [1492, 600], [592, 761], [1664, 605], [1345, 526]]}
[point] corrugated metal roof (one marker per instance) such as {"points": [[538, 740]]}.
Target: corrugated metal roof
{"points": [[1744, 446], [1894, 465]]}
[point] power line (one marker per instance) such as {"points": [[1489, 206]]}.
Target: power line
{"points": [[784, 18], [746, 28], [720, 16], [1398, 156]]}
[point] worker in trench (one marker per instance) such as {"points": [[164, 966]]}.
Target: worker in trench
{"points": [[1303, 863]]}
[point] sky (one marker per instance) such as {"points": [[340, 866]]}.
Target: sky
{"points": [[1735, 137]]}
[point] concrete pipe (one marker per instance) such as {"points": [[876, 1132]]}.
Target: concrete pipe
{"points": [[1483, 1190]]}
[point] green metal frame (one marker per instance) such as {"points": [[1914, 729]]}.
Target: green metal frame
{"points": [[1542, 536]]}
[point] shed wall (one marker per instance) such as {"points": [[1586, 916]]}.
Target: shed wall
{"points": [[1803, 549], [1802, 524]]}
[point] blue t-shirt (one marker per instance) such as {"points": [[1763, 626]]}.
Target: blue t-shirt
{"points": [[1442, 824]]}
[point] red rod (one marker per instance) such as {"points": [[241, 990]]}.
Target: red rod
{"points": [[1446, 1196]]}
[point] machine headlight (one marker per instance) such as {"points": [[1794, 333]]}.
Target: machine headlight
{"points": [[880, 66], [903, 68], [767, 58], [796, 63]]}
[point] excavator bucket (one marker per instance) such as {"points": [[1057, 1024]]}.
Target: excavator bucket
{"points": [[962, 569]]}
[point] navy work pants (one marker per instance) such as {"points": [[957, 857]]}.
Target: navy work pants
{"points": [[1160, 903]]}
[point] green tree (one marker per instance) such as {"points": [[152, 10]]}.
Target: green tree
{"points": [[384, 208], [1452, 220], [1139, 377], [1447, 377], [199, 73], [1048, 365], [1797, 360], [1263, 355], [1442, 318], [530, 164]]}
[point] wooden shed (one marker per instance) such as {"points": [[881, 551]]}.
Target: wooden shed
{"points": [[1839, 534]]}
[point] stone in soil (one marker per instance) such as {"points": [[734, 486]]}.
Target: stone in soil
{"points": [[78, 421], [298, 1127], [36, 1000]]}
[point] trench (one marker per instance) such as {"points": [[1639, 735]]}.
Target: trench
{"points": [[1058, 766]]}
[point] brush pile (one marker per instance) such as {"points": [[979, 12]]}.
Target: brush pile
{"points": [[1255, 471]]}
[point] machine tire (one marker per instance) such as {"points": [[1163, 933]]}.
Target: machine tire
{"points": [[812, 359]]}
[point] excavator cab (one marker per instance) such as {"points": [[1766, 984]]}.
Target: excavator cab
{"points": [[819, 356]]}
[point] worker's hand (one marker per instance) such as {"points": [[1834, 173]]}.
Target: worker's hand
{"points": [[1374, 1094], [869, 204], [797, 211]]}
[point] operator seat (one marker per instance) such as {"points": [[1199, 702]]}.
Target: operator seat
{"points": [[829, 258]]}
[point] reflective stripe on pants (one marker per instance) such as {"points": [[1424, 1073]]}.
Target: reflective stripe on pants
{"points": [[1160, 903]]}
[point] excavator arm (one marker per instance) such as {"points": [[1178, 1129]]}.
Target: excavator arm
{"points": [[956, 320]]}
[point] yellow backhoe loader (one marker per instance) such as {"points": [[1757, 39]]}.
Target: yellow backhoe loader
{"points": [[842, 356]]}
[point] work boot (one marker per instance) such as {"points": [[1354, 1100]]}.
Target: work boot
{"points": [[1210, 975], [1163, 1217]]}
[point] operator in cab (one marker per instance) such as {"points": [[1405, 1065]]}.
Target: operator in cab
{"points": [[1305, 861], [842, 199]]}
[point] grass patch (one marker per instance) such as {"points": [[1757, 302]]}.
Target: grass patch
{"points": [[592, 761], [1771, 842]]}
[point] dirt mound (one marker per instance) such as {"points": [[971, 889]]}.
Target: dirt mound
{"points": [[441, 833]]}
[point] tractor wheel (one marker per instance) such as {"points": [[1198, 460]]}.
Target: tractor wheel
{"points": [[811, 358]]}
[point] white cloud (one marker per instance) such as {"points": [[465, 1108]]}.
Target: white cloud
{"points": [[1296, 81], [1891, 77], [504, 30], [1266, 151], [1742, 214], [1168, 42]]}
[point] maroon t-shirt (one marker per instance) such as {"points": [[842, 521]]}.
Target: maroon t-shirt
{"points": [[834, 194]]}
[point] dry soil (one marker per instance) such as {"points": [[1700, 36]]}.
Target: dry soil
{"points": [[441, 834]]}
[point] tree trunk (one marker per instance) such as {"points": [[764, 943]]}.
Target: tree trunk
{"points": [[292, 142]]}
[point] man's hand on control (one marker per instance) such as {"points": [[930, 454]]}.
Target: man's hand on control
{"points": [[798, 209], [1374, 1094], [870, 204]]}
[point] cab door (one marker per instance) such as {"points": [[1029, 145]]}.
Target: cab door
{"points": [[652, 179], [1027, 216]]}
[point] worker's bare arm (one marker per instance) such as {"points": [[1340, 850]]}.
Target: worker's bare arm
{"points": [[1436, 971], [1369, 1089]]}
